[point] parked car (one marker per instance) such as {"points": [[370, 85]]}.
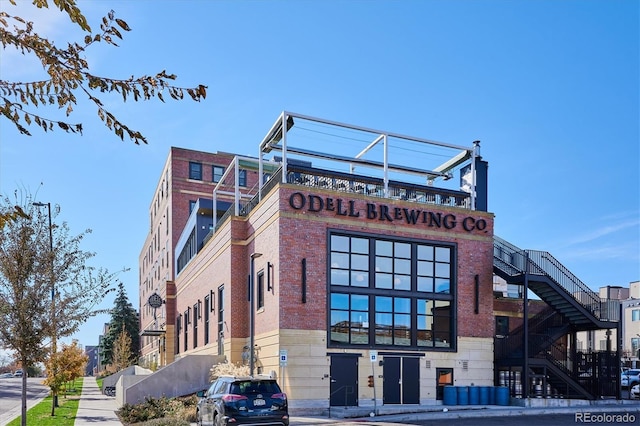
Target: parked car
{"points": [[232, 400], [635, 392], [18, 373], [630, 378], [5, 375]]}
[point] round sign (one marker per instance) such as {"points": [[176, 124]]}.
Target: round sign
{"points": [[155, 301]]}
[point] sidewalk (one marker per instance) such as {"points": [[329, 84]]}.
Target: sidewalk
{"points": [[95, 407]]}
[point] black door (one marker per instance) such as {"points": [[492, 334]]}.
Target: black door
{"points": [[391, 382], [410, 381], [344, 381], [444, 377], [401, 383]]}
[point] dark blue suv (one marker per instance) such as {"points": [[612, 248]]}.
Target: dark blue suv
{"points": [[234, 400]]}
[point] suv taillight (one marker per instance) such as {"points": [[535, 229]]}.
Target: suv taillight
{"points": [[280, 395], [233, 398]]}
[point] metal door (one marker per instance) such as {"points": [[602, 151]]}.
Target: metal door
{"points": [[344, 381], [401, 383]]}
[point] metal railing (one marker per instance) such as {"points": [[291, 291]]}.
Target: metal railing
{"points": [[515, 261]]}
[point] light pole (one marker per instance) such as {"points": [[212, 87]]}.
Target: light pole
{"points": [[252, 312], [53, 299]]}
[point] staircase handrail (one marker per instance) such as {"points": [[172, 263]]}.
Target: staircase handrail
{"points": [[537, 262]]}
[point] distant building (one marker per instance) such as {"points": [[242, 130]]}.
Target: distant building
{"points": [[93, 359]]}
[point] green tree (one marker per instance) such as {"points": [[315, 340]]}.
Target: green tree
{"points": [[34, 268], [124, 318], [68, 74]]}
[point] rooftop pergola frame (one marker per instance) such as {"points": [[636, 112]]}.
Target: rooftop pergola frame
{"points": [[373, 150], [374, 154]]}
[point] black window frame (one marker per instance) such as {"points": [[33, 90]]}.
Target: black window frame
{"points": [[195, 170], [260, 290], [242, 178], [357, 326], [215, 175]]}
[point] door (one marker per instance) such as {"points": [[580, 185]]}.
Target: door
{"points": [[344, 381], [444, 377], [401, 383]]}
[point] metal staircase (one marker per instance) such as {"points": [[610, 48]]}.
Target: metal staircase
{"points": [[571, 307]]}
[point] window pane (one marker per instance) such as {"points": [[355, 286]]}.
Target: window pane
{"points": [[442, 286], [402, 305], [359, 302], [383, 281], [359, 261], [425, 252], [384, 304], [339, 260], [384, 248], [339, 301], [339, 243], [384, 264], [443, 254], [425, 268], [360, 245], [402, 282], [402, 250], [442, 270], [359, 279], [339, 277], [425, 284], [339, 318], [402, 266]]}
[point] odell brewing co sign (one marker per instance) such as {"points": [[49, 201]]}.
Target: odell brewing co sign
{"points": [[385, 213]]}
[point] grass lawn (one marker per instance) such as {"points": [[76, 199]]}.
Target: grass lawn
{"points": [[65, 414]]}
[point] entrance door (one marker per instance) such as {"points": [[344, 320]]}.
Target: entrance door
{"points": [[401, 380], [444, 377], [344, 381]]}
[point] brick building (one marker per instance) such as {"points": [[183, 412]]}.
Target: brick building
{"points": [[347, 268], [359, 273]]}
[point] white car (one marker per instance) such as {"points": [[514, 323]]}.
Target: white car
{"points": [[630, 378], [635, 392]]}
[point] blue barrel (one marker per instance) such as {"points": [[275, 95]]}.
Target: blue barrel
{"points": [[484, 395], [449, 395], [502, 395], [474, 395], [492, 395], [463, 395]]}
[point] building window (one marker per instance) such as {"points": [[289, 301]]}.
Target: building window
{"points": [[242, 178], [196, 315], [192, 204], [502, 325], [635, 315], [186, 323], [260, 290], [207, 305], [195, 170], [390, 293], [178, 330], [635, 345], [221, 320], [216, 173]]}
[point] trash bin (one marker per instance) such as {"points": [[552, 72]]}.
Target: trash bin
{"points": [[463, 395], [502, 395], [484, 395], [474, 395], [449, 395]]}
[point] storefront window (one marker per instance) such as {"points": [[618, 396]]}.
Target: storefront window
{"points": [[403, 286]]}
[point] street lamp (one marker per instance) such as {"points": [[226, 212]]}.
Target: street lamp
{"points": [[53, 295], [252, 312]]}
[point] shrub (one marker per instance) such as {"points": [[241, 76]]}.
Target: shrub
{"points": [[176, 409]]}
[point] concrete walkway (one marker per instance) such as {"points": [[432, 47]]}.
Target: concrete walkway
{"points": [[95, 407]]}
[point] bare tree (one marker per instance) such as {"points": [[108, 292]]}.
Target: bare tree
{"points": [[47, 287], [68, 74]]}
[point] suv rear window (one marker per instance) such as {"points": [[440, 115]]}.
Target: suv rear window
{"points": [[254, 387]]}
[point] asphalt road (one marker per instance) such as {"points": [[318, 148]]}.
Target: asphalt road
{"points": [[11, 393], [591, 418]]}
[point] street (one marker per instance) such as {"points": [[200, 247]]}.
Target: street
{"points": [[10, 394], [608, 418]]}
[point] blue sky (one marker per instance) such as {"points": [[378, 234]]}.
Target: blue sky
{"points": [[551, 88]]}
